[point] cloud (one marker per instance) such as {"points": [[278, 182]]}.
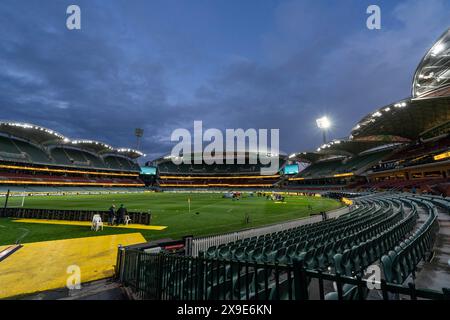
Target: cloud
{"points": [[155, 67]]}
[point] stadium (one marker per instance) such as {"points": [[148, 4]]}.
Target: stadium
{"points": [[364, 217]]}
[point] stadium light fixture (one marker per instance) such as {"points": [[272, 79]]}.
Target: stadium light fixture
{"points": [[377, 114], [127, 150], [400, 105], [324, 124]]}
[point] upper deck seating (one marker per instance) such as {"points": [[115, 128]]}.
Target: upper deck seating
{"points": [[9, 151], [321, 169], [120, 163], [35, 154], [60, 156]]}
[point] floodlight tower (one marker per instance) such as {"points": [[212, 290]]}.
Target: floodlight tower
{"points": [[138, 132], [324, 124]]}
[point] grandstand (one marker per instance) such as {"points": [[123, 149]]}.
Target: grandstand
{"points": [[403, 146], [35, 159], [224, 175], [390, 177]]}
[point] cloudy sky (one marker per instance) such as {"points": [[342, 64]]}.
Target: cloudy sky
{"points": [[160, 65]]}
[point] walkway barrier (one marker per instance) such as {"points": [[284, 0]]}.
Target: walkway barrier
{"points": [[201, 244], [70, 215], [169, 277]]}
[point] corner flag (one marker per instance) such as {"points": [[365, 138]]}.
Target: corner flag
{"points": [[189, 202]]}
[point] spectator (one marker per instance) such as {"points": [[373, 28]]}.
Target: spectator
{"points": [[112, 215], [121, 212]]}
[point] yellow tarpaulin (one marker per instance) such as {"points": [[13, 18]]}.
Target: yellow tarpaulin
{"points": [[88, 224], [42, 266]]}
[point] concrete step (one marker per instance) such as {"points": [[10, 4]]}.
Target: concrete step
{"points": [[105, 289]]}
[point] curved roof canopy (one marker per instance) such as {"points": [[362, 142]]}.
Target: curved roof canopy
{"points": [[310, 157], [432, 77], [407, 119], [43, 136], [349, 147], [31, 132], [130, 153], [93, 146]]}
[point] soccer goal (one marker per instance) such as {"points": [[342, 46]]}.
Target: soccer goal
{"points": [[16, 200]]}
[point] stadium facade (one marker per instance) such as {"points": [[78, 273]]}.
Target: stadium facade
{"points": [[382, 245], [35, 159], [241, 173], [400, 146]]}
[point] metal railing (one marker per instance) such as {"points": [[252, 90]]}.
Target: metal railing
{"points": [[170, 277], [71, 215], [203, 243]]}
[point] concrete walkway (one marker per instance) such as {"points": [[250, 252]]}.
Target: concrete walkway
{"points": [[436, 273]]}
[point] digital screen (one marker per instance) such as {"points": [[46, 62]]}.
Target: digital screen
{"points": [[148, 170], [291, 169]]}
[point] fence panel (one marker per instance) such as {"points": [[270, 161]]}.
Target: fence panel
{"points": [[203, 243], [171, 277]]}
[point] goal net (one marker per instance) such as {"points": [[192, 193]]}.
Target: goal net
{"points": [[16, 200]]}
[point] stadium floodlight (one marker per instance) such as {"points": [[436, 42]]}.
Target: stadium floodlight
{"points": [[377, 114], [324, 124], [138, 132]]}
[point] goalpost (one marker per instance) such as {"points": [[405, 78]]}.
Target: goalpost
{"points": [[16, 200]]}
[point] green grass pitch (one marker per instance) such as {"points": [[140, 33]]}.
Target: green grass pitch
{"points": [[216, 214]]}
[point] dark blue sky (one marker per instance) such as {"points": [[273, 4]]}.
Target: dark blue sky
{"points": [[160, 65]]}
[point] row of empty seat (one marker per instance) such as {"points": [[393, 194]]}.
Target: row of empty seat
{"points": [[382, 230], [14, 150], [171, 168], [401, 262]]}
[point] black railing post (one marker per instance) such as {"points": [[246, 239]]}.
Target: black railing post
{"points": [[300, 280], [160, 277], [118, 262], [446, 293], [412, 291], [339, 287], [361, 284], [200, 276], [321, 289], [121, 262], [384, 290], [188, 245], [6, 204]]}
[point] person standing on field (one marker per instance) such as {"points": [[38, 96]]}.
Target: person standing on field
{"points": [[121, 212], [112, 215]]}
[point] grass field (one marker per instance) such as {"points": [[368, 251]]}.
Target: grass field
{"points": [[216, 214]]}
